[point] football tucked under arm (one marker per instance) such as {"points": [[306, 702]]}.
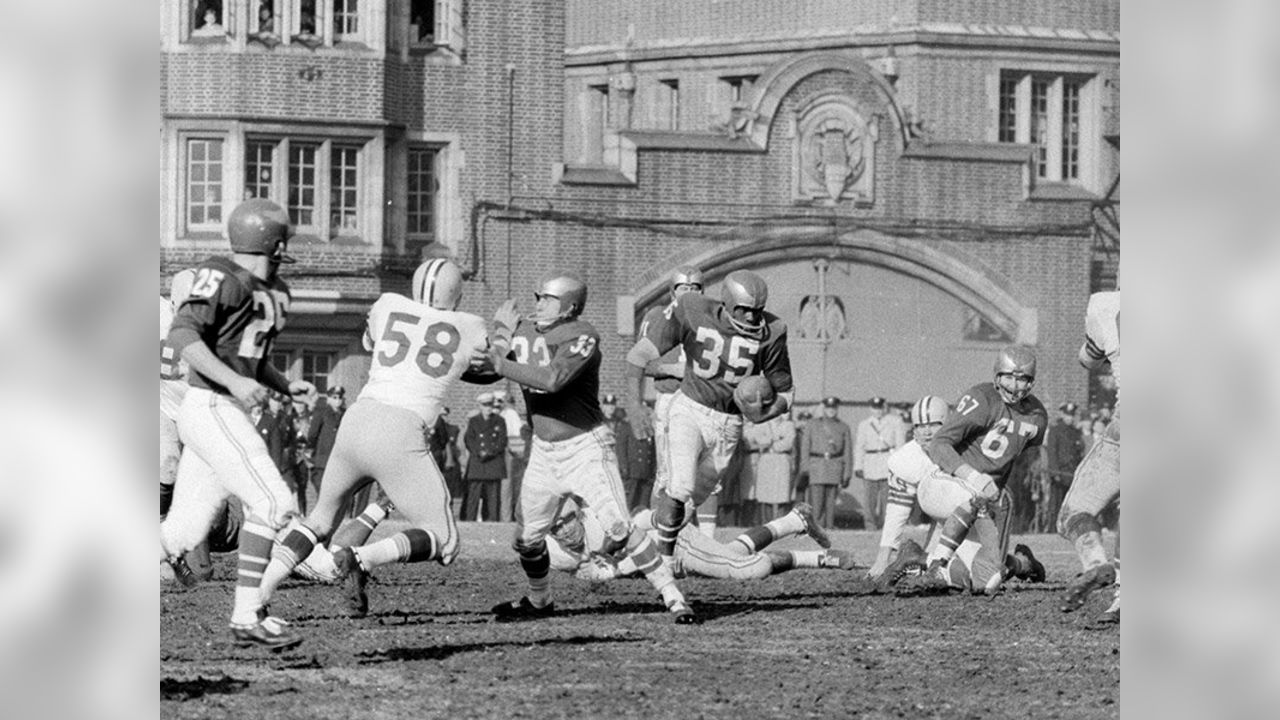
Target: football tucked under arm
{"points": [[758, 401]]}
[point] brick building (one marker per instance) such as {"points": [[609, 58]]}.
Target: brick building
{"points": [[919, 180]]}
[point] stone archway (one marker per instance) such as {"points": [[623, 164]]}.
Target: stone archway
{"points": [[987, 293]]}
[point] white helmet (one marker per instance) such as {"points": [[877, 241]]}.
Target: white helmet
{"points": [[438, 284], [927, 411], [180, 287]]}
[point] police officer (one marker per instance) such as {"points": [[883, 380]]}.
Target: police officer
{"points": [[877, 436], [486, 440], [826, 455]]}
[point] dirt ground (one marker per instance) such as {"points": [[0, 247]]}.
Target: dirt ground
{"points": [[804, 644]]}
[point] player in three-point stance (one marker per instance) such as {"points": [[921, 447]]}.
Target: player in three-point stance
{"points": [[555, 357], [913, 477], [420, 347], [973, 452], [224, 331], [724, 341], [1097, 479]]}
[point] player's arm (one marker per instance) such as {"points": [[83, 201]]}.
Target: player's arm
{"points": [[1091, 356], [969, 419], [184, 338], [897, 511], [776, 365], [570, 360]]}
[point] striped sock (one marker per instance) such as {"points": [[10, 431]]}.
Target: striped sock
{"points": [[536, 563], [292, 549], [256, 539], [412, 545], [756, 538], [668, 516], [954, 531], [356, 532]]}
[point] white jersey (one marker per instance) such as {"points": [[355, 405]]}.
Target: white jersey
{"points": [[418, 351], [173, 372], [910, 464], [1102, 326]]}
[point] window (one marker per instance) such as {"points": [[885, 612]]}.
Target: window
{"points": [[317, 367], [437, 23], [738, 88], [669, 105], [210, 21], [204, 184], [318, 182], [595, 124], [423, 188], [346, 20], [282, 360], [304, 22], [1046, 111]]}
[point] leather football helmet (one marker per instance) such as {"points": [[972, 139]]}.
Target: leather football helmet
{"points": [[928, 411], [569, 290], [686, 275], [437, 283], [260, 227], [1015, 372], [745, 289]]}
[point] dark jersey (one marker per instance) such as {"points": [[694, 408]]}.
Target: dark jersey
{"points": [[572, 350], [236, 315], [717, 356], [654, 318], [988, 434]]}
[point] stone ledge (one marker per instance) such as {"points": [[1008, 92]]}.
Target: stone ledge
{"points": [[981, 152]]}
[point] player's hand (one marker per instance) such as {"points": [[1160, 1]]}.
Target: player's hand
{"points": [[301, 388], [248, 391], [845, 483], [881, 564], [858, 474], [505, 318], [982, 485]]}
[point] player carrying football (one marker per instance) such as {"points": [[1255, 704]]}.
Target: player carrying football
{"points": [[555, 357], [420, 347], [224, 331], [724, 341]]}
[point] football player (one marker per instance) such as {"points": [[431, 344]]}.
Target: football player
{"points": [[1097, 479], [555, 357], [668, 370], [224, 331], [420, 346], [724, 341], [913, 477], [963, 469], [576, 547]]}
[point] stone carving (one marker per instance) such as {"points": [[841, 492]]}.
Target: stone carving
{"points": [[835, 152]]}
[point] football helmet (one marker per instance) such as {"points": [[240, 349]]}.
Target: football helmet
{"points": [[928, 411], [569, 290], [180, 287], [686, 275], [745, 289], [1015, 373], [437, 283], [260, 227]]}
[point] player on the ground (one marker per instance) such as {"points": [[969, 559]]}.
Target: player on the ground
{"points": [[1097, 479], [576, 544], [420, 347], [555, 357], [914, 477], [224, 331], [667, 372], [974, 450], [724, 341]]}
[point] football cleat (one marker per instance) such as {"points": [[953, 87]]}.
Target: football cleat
{"points": [[183, 573], [933, 581], [269, 632], [910, 555], [1111, 616], [682, 614], [842, 559], [1036, 574], [1084, 584], [521, 609], [354, 579], [805, 512]]}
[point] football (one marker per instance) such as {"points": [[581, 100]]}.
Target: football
{"points": [[752, 395]]}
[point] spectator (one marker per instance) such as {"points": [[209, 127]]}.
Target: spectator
{"points": [[877, 436], [321, 433], [210, 26], [292, 467], [1064, 447], [442, 439], [756, 439], [827, 458], [615, 419], [642, 470], [486, 441], [517, 456], [266, 19], [773, 487]]}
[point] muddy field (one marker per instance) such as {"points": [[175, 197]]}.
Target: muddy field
{"points": [[805, 644]]}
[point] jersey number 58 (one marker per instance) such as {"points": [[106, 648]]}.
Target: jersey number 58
{"points": [[435, 357]]}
